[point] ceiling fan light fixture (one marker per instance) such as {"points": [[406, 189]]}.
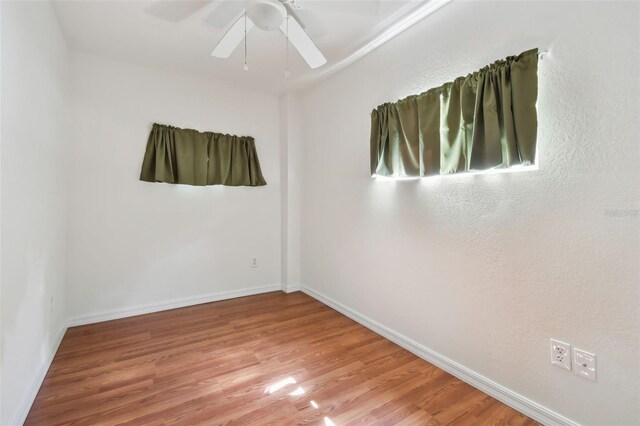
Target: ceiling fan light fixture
{"points": [[267, 15]]}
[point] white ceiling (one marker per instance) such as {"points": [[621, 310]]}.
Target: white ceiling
{"points": [[125, 30]]}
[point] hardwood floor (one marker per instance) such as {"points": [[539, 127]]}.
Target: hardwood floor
{"points": [[275, 358]]}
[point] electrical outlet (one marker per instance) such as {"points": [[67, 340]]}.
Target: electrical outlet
{"points": [[584, 364], [561, 354], [254, 262]]}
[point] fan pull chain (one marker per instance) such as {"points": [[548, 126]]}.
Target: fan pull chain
{"points": [[246, 67], [286, 50]]}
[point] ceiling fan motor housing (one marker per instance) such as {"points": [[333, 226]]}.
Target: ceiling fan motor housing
{"points": [[267, 15]]}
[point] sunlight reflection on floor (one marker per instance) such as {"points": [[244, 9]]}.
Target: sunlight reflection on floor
{"points": [[298, 391], [281, 384]]}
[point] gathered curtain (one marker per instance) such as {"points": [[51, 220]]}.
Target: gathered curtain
{"points": [[485, 120], [190, 157]]}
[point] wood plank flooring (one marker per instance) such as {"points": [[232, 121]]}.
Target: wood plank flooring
{"points": [[276, 358]]}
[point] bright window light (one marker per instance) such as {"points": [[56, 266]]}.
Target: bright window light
{"points": [[495, 171], [383, 178]]}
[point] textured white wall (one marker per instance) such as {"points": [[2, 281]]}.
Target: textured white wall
{"points": [[1, 332], [291, 138], [484, 269], [33, 175], [294, 193], [135, 243]]}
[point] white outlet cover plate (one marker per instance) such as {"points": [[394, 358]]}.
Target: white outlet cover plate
{"points": [[584, 364], [561, 354]]}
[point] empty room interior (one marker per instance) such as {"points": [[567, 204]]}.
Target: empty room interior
{"points": [[319, 212]]}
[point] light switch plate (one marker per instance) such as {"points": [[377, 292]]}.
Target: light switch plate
{"points": [[584, 364]]}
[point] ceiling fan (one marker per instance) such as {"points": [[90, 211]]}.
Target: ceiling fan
{"points": [[270, 15], [267, 15]]}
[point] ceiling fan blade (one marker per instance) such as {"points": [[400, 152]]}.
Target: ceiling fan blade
{"points": [[303, 44], [232, 38], [355, 7], [308, 21], [225, 12], [175, 10]]}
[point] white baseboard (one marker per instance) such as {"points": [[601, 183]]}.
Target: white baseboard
{"points": [[23, 411], [488, 386], [173, 304], [290, 288]]}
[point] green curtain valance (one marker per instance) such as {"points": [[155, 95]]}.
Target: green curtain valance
{"points": [[190, 157], [484, 120]]}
